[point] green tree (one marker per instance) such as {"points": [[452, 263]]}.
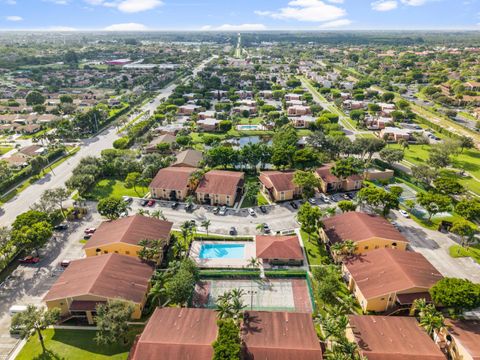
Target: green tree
{"points": [[206, 224], [391, 156], [433, 203], [112, 322], [179, 287], [55, 198], [346, 167], [307, 181], [379, 198], [112, 207], [132, 180], [328, 279], [29, 218], [466, 230], [309, 218], [284, 146], [346, 205], [424, 173], [33, 237], [35, 98], [251, 192], [227, 346], [448, 186], [459, 294], [468, 208], [35, 320]]}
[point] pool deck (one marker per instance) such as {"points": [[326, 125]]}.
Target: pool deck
{"points": [[222, 263]]}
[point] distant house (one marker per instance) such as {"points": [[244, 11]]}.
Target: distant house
{"points": [[373, 174], [279, 250], [210, 114], [391, 338], [244, 108], [395, 134], [177, 333], [462, 339], [123, 236], [32, 150], [279, 185], [369, 232], [472, 85], [219, 187], [298, 110], [209, 124], [91, 281], [385, 278], [302, 122], [172, 183], [330, 183], [265, 94], [289, 97], [162, 139], [189, 109], [188, 158], [280, 336]]}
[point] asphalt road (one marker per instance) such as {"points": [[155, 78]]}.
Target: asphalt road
{"points": [[89, 147]]}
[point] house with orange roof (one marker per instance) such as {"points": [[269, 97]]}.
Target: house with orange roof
{"points": [[220, 187]]}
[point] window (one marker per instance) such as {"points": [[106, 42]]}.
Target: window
{"points": [[376, 246], [116, 252], [127, 252], [105, 251], [366, 247]]}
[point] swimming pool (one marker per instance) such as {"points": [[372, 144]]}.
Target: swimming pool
{"points": [[222, 251], [250, 127]]}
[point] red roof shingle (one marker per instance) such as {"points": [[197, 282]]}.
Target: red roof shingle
{"points": [[281, 181], [278, 247], [172, 178], [221, 182]]}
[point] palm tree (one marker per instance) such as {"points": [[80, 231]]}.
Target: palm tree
{"points": [[419, 305], [224, 310], [253, 262], [158, 214], [331, 211], [189, 200], [337, 250], [349, 247], [143, 212], [206, 224], [432, 320], [156, 292]]}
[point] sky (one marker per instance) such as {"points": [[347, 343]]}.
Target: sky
{"points": [[239, 15]]}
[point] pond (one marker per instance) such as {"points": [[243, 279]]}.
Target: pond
{"points": [[245, 140]]}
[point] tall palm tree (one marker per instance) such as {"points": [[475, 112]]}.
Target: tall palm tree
{"points": [[419, 305], [206, 224], [156, 292], [158, 214], [253, 262], [349, 247], [337, 250], [432, 320]]}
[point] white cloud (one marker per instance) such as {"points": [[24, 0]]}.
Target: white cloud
{"points": [[240, 27], [335, 24], [307, 10], [384, 5], [126, 27], [336, 1], [414, 2], [58, 2], [127, 6], [13, 18]]}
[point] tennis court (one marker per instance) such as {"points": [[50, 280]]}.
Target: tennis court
{"points": [[273, 295]]}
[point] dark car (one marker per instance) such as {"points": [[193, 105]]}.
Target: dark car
{"points": [[188, 207], [233, 231], [263, 209], [144, 202], [65, 263], [174, 205], [60, 227], [293, 204], [151, 203], [29, 260], [87, 236]]}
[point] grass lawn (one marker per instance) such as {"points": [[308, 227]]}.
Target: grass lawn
{"points": [[316, 251], [72, 345], [250, 121], [459, 251], [4, 149], [108, 187]]}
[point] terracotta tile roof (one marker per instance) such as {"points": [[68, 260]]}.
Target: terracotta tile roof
{"points": [[220, 182], [280, 336], [385, 271], [358, 226], [466, 333], [172, 178], [278, 247], [326, 175], [188, 157], [393, 338], [178, 333], [108, 276], [130, 230], [281, 181]]}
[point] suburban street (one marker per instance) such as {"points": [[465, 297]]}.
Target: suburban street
{"points": [[89, 147]]}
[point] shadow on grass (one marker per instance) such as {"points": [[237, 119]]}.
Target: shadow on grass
{"points": [[49, 355]]}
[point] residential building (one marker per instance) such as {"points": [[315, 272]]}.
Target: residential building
{"points": [[298, 110], [395, 134], [279, 250], [188, 158], [462, 339], [123, 236], [373, 174], [280, 336], [177, 333], [279, 186], [289, 97], [302, 122], [172, 183], [391, 338], [162, 139], [210, 114], [219, 187], [189, 109], [91, 281], [331, 183], [208, 125], [387, 278], [369, 232]]}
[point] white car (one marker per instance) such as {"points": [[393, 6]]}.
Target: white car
{"points": [[404, 213], [251, 212], [223, 210], [312, 201]]}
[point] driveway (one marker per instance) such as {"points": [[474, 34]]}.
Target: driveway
{"points": [[434, 246], [28, 284]]}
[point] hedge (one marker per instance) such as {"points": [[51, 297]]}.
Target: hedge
{"points": [[251, 273], [221, 238]]}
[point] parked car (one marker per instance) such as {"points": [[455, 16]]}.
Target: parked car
{"points": [[65, 263], [60, 227], [87, 236], [263, 209], [188, 207], [127, 199], [233, 231], [325, 198], [193, 222], [345, 197], [174, 205], [223, 211], [29, 260], [151, 203], [312, 201], [266, 228], [216, 210], [404, 213], [90, 230], [251, 212], [144, 202]]}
